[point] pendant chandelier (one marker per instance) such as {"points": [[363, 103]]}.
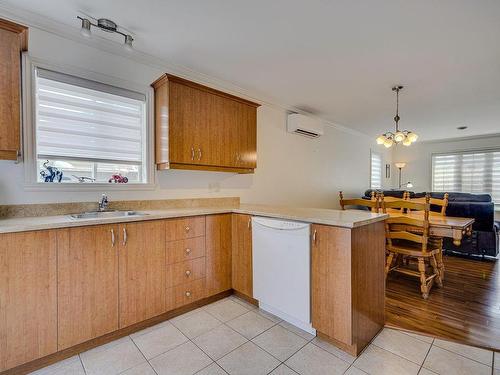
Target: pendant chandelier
{"points": [[405, 137]]}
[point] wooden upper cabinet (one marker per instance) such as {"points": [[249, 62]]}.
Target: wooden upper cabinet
{"points": [[28, 297], [198, 127], [13, 40], [142, 271], [242, 277], [87, 283]]}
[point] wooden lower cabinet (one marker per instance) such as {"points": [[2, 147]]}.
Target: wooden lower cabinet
{"points": [[28, 297], [142, 271], [218, 253], [347, 284], [87, 287], [242, 280]]}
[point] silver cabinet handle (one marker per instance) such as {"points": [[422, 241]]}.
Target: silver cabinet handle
{"points": [[249, 223], [199, 154], [112, 237], [188, 250], [124, 236], [188, 229], [192, 153], [188, 272], [188, 294], [314, 237]]}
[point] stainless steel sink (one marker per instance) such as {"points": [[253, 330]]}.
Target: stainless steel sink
{"points": [[105, 214]]}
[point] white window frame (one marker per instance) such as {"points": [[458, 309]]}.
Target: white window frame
{"points": [[29, 156], [467, 151], [381, 172]]}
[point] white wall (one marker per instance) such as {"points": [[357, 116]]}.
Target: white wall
{"points": [[292, 170], [418, 158]]}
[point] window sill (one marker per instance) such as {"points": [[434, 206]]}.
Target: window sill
{"points": [[87, 187]]}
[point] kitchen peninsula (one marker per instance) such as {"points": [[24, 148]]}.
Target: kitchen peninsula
{"points": [[72, 284]]}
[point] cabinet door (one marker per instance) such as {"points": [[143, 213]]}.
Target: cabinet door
{"points": [[183, 132], [12, 41], [242, 254], [331, 282], [87, 283], [28, 297], [142, 271], [218, 253], [248, 136]]}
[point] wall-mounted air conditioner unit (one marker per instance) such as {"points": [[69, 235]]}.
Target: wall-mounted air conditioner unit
{"points": [[304, 125]]}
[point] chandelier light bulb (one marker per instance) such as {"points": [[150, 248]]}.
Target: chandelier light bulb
{"points": [[407, 142], [412, 137], [380, 140], [85, 30], [399, 136], [388, 143]]}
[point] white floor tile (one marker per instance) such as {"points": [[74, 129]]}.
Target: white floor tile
{"points": [[194, 325], [142, 369], [424, 338], [312, 360], [268, 315], [241, 301], [150, 329], [112, 358], [424, 371], [248, 359], [226, 310], [403, 345], [280, 342], [497, 361], [444, 362], [69, 366], [330, 348], [159, 340], [213, 369], [186, 359], [297, 331], [355, 371], [477, 354], [377, 361], [219, 341], [250, 324], [283, 370]]}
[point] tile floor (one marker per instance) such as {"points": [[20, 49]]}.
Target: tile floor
{"points": [[233, 337]]}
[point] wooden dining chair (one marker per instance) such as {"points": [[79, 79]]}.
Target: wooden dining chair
{"points": [[372, 203], [409, 237], [433, 240]]}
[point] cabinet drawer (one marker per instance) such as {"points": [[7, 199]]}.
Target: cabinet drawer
{"points": [[184, 294], [185, 272], [181, 250], [189, 227]]}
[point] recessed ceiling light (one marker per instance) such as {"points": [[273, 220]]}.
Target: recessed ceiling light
{"points": [[462, 127]]}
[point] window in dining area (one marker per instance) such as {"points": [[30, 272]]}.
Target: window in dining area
{"points": [[376, 171], [468, 172]]}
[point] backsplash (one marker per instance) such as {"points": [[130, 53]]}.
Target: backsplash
{"points": [[53, 209]]}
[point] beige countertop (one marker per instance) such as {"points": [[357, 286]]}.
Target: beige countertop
{"points": [[345, 219]]}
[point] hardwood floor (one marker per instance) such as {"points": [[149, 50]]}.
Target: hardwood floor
{"points": [[466, 309]]}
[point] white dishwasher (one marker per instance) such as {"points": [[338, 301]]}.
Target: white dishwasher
{"points": [[281, 269]]}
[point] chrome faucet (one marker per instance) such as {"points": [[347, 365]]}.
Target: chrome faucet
{"points": [[103, 203]]}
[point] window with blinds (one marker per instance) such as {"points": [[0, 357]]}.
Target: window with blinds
{"points": [[88, 130], [376, 171], [468, 172]]}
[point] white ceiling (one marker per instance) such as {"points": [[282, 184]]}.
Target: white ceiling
{"points": [[337, 59]]}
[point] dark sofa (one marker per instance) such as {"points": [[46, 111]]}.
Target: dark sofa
{"points": [[485, 231]]}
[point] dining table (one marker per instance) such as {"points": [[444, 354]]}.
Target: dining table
{"points": [[441, 226]]}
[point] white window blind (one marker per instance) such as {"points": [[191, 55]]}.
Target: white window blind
{"points": [[468, 172], [83, 119], [376, 171]]}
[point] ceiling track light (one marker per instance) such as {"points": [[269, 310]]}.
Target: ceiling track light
{"points": [[107, 25], [406, 137]]}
